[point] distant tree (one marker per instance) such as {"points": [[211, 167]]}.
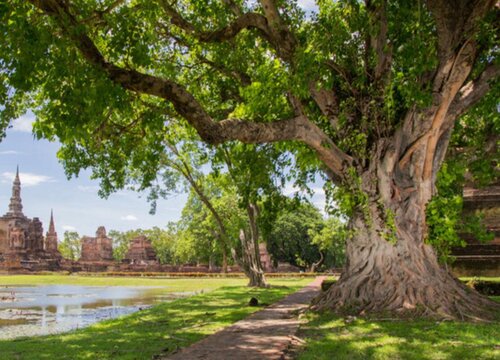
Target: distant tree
{"points": [[164, 242], [121, 241], [289, 238], [331, 239], [199, 229], [71, 246]]}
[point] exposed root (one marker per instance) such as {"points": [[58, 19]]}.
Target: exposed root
{"points": [[442, 297]]}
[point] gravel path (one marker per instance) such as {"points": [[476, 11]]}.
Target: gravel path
{"points": [[265, 334]]}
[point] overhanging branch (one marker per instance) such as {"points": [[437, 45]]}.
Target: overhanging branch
{"points": [[249, 20], [297, 128]]}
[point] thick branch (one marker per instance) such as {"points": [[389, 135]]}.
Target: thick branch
{"points": [[474, 90], [467, 97], [378, 37], [246, 21], [298, 128], [269, 26], [327, 102], [282, 38], [455, 21]]}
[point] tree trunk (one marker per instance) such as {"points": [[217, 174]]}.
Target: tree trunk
{"points": [[389, 268], [224, 261], [249, 263], [318, 263]]}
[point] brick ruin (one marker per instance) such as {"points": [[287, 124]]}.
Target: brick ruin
{"points": [[22, 244], [98, 248], [480, 258], [141, 252]]}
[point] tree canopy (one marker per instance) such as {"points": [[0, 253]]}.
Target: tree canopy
{"points": [[366, 92]]}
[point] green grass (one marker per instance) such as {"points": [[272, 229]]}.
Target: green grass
{"points": [[173, 285], [330, 337], [480, 278], [157, 330]]}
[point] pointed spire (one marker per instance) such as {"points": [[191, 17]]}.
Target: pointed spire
{"points": [[16, 206], [51, 236], [52, 228]]}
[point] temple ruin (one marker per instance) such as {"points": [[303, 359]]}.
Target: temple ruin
{"points": [[22, 245], [98, 248], [480, 259], [141, 252]]}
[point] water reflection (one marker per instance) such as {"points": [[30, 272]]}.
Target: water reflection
{"points": [[41, 310]]}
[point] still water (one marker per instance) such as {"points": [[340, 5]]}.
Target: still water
{"points": [[42, 310]]}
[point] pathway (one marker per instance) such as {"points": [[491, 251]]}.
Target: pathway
{"points": [[263, 335]]}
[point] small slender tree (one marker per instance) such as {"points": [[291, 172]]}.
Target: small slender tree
{"points": [[71, 246]]}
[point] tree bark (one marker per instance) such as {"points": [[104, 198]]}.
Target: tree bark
{"points": [[249, 261], [389, 267], [318, 263]]}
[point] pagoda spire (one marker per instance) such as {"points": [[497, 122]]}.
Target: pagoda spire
{"points": [[16, 206], [52, 228], [51, 236]]}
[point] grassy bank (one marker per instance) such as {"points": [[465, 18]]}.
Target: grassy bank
{"points": [[158, 330], [329, 336]]}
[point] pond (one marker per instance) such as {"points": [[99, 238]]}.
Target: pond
{"points": [[50, 309]]}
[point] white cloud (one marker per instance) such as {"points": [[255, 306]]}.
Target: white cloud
{"points": [[24, 123], [68, 228], [129, 218], [27, 179], [9, 152]]}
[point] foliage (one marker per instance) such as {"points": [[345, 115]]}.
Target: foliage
{"points": [[71, 245], [366, 92], [198, 230], [121, 242], [473, 160], [162, 240], [331, 239], [289, 239]]}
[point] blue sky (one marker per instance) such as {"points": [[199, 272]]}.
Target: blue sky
{"points": [[75, 202]]}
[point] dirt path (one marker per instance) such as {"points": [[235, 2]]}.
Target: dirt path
{"points": [[265, 334]]}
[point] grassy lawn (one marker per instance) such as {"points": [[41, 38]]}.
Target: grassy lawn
{"points": [[173, 285], [330, 337], [157, 330]]}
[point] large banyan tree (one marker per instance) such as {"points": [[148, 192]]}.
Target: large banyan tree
{"points": [[372, 89]]}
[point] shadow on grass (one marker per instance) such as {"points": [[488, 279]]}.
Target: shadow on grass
{"points": [[161, 329], [329, 336]]}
